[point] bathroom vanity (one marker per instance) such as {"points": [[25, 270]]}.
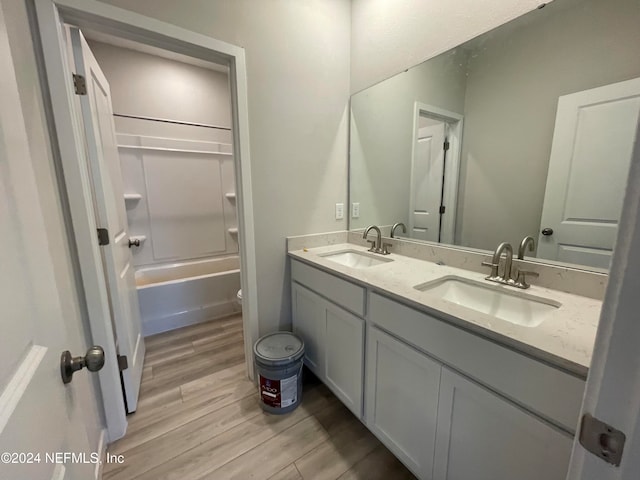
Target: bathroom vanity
{"points": [[452, 390]]}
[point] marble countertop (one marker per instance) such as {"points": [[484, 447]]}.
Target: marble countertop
{"points": [[564, 339]]}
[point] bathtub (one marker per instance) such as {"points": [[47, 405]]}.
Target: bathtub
{"points": [[179, 294]]}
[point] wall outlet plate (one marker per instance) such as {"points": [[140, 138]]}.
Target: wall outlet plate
{"points": [[355, 210], [339, 211]]}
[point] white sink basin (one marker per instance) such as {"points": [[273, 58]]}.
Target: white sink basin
{"points": [[356, 259], [517, 307]]}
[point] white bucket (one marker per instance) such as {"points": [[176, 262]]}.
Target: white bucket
{"points": [[278, 358]]}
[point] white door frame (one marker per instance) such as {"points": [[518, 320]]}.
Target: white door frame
{"points": [[613, 386], [455, 122], [69, 150]]}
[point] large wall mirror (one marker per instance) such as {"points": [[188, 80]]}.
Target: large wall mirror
{"points": [[526, 130]]}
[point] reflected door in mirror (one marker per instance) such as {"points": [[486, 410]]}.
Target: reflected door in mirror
{"points": [[590, 158], [427, 177]]}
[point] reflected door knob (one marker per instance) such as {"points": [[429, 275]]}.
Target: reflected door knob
{"points": [[547, 231], [93, 361]]}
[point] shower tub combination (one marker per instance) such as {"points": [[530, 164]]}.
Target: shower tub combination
{"points": [[179, 294]]}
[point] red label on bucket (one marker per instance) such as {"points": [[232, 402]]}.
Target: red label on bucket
{"points": [[279, 393]]}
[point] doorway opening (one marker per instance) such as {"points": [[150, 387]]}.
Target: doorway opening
{"points": [[435, 165], [148, 166], [172, 118]]}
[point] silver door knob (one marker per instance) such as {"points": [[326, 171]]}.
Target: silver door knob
{"points": [[134, 242], [93, 361]]}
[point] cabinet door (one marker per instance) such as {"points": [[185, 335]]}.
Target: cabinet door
{"points": [[402, 400], [308, 322], [482, 436], [344, 356]]}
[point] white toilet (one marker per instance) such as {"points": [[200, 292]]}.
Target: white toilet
{"points": [[239, 297]]}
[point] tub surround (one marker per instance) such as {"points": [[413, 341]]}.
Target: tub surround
{"points": [[565, 339], [178, 175], [178, 198]]}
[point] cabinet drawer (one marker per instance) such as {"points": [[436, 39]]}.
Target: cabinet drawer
{"points": [[542, 389], [339, 291]]}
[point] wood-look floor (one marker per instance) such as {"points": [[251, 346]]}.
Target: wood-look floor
{"points": [[198, 418]]}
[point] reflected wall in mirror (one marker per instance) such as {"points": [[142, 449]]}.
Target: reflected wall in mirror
{"points": [[526, 129]]}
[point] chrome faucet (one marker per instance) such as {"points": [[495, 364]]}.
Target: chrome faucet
{"points": [[396, 225], [495, 262], [523, 246], [376, 245], [505, 279]]}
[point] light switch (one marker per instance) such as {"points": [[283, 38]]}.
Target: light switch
{"points": [[355, 210], [339, 211]]}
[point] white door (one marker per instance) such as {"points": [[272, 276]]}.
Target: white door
{"points": [[38, 413], [427, 169], [612, 394], [104, 165], [588, 168]]}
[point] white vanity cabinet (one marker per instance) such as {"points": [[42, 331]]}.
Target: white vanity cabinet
{"points": [[402, 400], [333, 337], [448, 402], [482, 436]]}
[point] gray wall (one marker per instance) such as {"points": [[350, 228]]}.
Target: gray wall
{"points": [[382, 134], [515, 79], [152, 86], [298, 79]]}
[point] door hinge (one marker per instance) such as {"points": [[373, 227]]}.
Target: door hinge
{"points": [[601, 439], [79, 84], [123, 363], [103, 236], [446, 145], [442, 209]]}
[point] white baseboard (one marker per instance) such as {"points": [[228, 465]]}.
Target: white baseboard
{"points": [[153, 326]]}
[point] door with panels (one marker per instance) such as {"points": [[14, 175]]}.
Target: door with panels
{"points": [[108, 193], [590, 158], [483, 436], [402, 400], [427, 177], [39, 415]]}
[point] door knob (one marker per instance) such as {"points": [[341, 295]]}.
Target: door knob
{"points": [[547, 231], [93, 361], [134, 242]]}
